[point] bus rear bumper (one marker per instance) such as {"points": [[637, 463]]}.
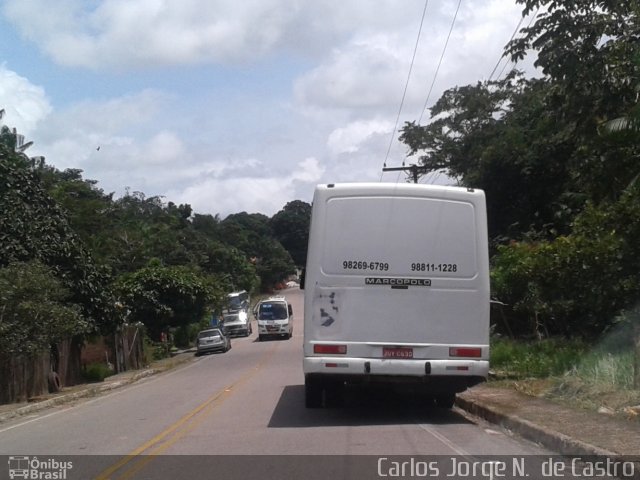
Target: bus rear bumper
{"points": [[437, 375]]}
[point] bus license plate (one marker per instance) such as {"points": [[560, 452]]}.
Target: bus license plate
{"points": [[397, 352]]}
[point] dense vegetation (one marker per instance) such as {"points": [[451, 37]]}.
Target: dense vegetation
{"points": [[75, 261]]}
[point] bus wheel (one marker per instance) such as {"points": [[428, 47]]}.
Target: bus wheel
{"points": [[312, 394], [334, 394]]}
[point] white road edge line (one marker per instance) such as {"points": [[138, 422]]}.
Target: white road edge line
{"points": [[445, 440]]}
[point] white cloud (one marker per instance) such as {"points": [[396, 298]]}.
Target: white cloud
{"points": [[25, 104], [99, 136], [120, 143], [100, 35], [252, 194], [164, 148], [308, 170], [361, 75], [349, 139], [161, 32], [371, 69]]}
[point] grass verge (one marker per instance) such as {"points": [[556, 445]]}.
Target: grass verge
{"points": [[596, 377]]}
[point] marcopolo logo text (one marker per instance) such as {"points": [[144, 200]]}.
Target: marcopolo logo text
{"points": [[398, 282]]}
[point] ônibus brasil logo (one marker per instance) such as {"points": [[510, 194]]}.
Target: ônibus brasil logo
{"points": [[37, 469]]}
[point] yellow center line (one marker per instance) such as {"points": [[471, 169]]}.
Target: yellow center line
{"points": [[180, 428]]}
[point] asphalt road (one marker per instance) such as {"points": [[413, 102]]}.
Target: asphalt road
{"points": [[248, 401]]}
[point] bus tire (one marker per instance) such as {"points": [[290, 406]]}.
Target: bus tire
{"points": [[334, 394], [312, 394]]}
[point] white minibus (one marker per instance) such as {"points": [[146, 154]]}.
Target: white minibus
{"points": [[396, 290]]}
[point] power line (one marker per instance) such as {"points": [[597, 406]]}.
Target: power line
{"points": [[515, 31], [502, 56], [453, 22], [404, 94], [416, 169]]}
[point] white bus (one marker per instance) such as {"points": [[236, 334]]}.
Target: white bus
{"points": [[396, 290]]}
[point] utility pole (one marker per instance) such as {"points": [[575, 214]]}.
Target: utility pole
{"points": [[414, 169]]}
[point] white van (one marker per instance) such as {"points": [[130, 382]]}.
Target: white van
{"points": [[274, 317], [396, 290], [237, 301]]}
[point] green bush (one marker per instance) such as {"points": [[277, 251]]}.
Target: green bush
{"points": [[181, 336], [184, 337], [574, 285], [159, 351], [97, 372], [543, 358]]}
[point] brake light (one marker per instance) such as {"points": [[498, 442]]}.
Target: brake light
{"points": [[465, 352], [330, 349]]}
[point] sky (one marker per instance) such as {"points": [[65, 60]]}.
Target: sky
{"points": [[237, 106]]}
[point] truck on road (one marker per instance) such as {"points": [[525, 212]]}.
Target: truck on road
{"points": [[396, 290]]}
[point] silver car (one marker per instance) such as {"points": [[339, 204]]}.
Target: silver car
{"points": [[212, 340], [236, 324]]}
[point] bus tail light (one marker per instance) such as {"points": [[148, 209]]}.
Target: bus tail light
{"points": [[467, 352], [330, 349]]}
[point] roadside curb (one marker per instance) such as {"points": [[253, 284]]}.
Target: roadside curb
{"points": [[548, 438], [551, 439]]}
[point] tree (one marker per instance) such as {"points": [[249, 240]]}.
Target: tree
{"points": [[290, 227], [575, 284], [32, 227], [533, 145], [246, 232], [588, 50], [162, 297], [35, 311], [86, 207], [504, 138], [206, 224], [229, 265], [626, 127], [275, 265], [11, 139], [252, 235], [136, 228], [217, 255]]}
